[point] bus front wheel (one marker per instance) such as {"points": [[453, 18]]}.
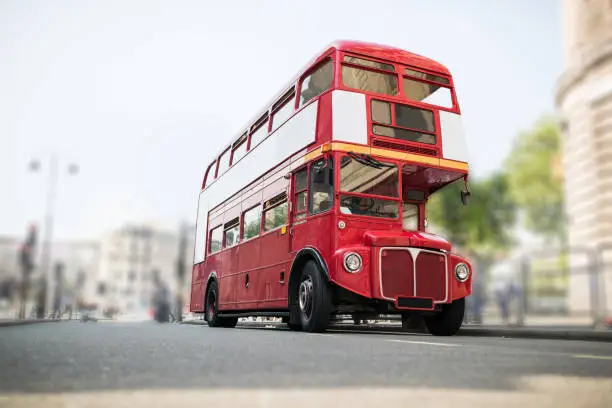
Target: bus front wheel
{"points": [[448, 321], [313, 299], [212, 309]]}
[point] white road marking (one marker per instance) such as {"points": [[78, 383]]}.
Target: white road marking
{"points": [[425, 342], [378, 332], [320, 334], [592, 357]]}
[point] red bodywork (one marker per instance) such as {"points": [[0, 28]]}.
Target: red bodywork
{"points": [[255, 274]]}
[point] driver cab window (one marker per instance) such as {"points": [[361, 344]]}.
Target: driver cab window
{"points": [[410, 210], [410, 217], [321, 185]]}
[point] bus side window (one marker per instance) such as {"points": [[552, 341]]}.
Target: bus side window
{"points": [[317, 82], [301, 194], [321, 185], [276, 212], [232, 232], [216, 239], [252, 223]]}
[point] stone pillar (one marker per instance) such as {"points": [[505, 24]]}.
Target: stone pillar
{"points": [[584, 102]]}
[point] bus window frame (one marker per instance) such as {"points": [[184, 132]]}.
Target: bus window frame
{"points": [[301, 215], [242, 224], [371, 122], [338, 193], [210, 234], [242, 140], [317, 64], [309, 210], [208, 173], [438, 84], [264, 210], [281, 103], [227, 228], [264, 120], [217, 174]]}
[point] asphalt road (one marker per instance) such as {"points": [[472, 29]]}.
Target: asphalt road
{"points": [[73, 364]]}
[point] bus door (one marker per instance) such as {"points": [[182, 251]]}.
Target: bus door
{"points": [[312, 198]]}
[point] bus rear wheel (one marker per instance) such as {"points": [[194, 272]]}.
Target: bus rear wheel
{"points": [[212, 309], [448, 321], [313, 299]]}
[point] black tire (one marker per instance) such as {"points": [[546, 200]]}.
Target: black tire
{"points": [[413, 322], [229, 322], [448, 321], [212, 309], [314, 299]]}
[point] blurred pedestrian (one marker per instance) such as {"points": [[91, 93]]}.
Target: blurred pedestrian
{"points": [[161, 300], [476, 301], [506, 287]]}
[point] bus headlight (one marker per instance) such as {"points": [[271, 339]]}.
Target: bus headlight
{"points": [[352, 262], [462, 272]]}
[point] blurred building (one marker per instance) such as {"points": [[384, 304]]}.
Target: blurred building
{"points": [[80, 262], [584, 99], [130, 258], [9, 252]]}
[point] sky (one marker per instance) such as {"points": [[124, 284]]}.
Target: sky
{"points": [[143, 94]]}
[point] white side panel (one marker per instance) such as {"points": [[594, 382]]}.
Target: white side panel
{"points": [[454, 144], [200, 238], [293, 136], [349, 117]]}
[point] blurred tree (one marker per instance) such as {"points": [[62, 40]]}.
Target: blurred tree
{"points": [[482, 227], [536, 183]]}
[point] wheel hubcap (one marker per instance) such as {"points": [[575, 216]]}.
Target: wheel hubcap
{"points": [[305, 297]]}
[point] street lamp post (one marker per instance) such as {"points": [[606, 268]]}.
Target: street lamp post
{"points": [[46, 253]]}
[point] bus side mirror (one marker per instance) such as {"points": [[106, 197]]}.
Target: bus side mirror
{"points": [[465, 197]]}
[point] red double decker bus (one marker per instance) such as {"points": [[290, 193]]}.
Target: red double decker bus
{"points": [[317, 207]]}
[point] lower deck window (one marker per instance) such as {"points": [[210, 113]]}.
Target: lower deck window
{"points": [[373, 207], [276, 217], [216, 239]]}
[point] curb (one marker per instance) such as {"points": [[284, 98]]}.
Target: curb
{"points": [[545, 334], [522, 333], [193, 322], [28, 322]]}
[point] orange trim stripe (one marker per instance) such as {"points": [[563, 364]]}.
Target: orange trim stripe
{"points": [[391, 154]]}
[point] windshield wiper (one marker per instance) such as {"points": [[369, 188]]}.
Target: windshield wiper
{"points": [[368, 160]]}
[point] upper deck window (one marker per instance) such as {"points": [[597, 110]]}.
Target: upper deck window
{"points": [[424, 75], [210, 174], [426, 92], [369, 63], [317, 82], [259, 131], [223, 163], [283, 109], [239, 149], [370, 81]]}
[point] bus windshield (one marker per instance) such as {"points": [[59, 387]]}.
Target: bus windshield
{"points": [[368, 186]]}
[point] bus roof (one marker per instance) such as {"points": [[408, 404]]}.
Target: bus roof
{"points": [[379, 51], [390, 53]]}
